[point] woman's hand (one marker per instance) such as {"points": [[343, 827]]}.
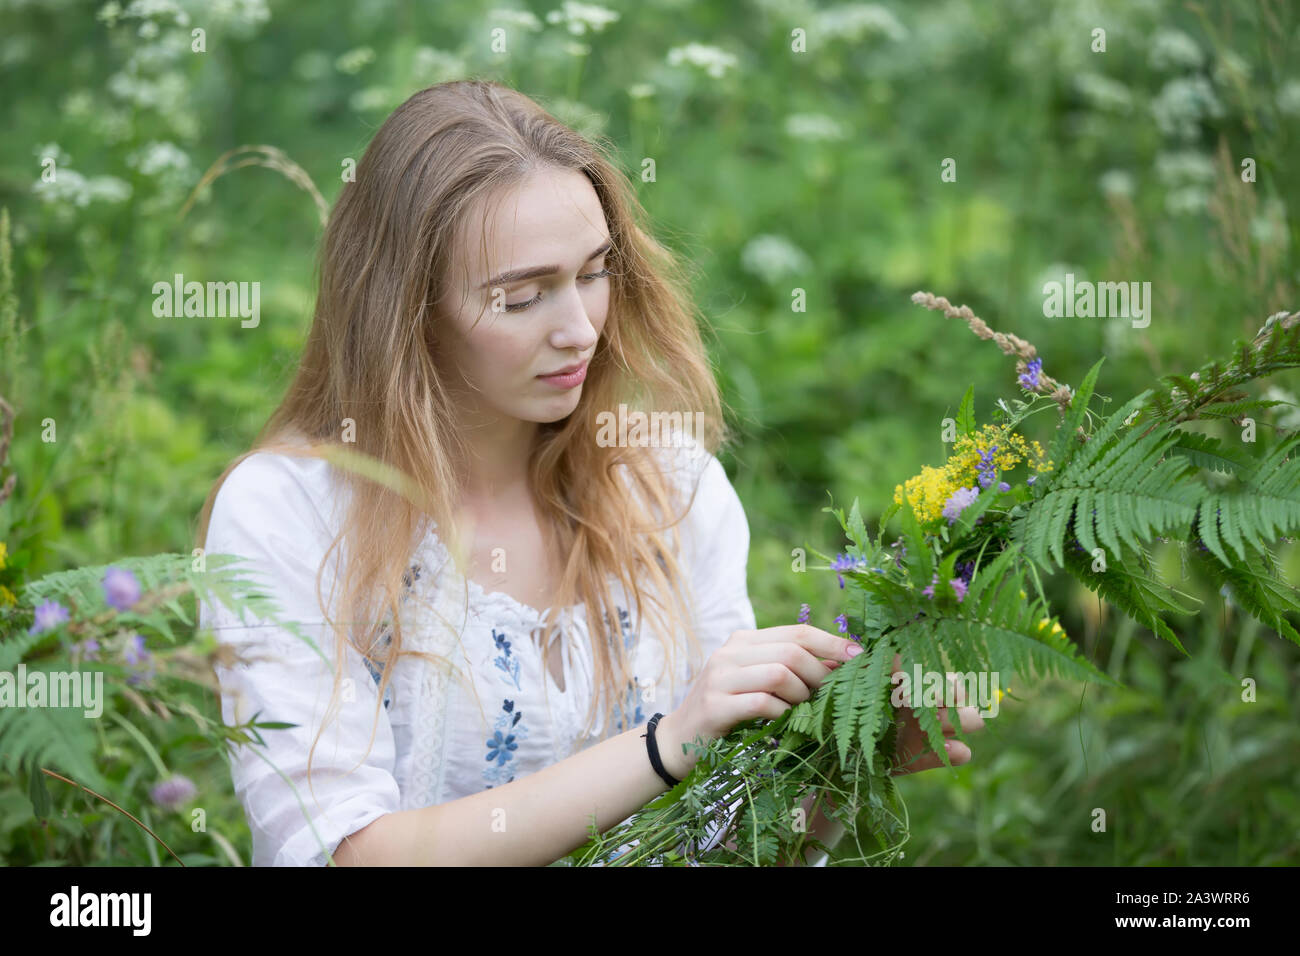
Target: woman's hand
{"points": [[759, 673], [912, 739]]}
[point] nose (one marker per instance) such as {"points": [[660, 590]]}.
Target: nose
{"points": [[576, 330]]}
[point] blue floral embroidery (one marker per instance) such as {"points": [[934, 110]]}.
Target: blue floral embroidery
{"points": [[506, 662], [633, 699], [507, 732]]}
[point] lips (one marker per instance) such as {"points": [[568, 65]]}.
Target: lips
{"points": [[567, 370]]}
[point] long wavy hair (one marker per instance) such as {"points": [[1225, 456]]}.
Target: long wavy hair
{"points": [[396, 233]]}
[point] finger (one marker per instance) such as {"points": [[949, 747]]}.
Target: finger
{"points": [[771, 678], [958, 754], [807, 667], [757, 704], [970, 719], [821, 643]]}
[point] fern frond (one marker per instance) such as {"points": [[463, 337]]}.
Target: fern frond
{"points": [[1134, 592], [59, 738], [1276, 347], [1255, 586], [1206, 451], [1129, 491]]}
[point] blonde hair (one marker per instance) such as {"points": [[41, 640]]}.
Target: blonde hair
{"points": [[389, 249]]}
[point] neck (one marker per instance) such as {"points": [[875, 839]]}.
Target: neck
{"points": [[498, 458]]}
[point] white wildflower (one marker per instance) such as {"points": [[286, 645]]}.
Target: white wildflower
{"points": [[1174, 49], [517, 18], [814, 127], [1288, 98], [1103, 93], [1116, 182], [1182, 103], [1184, 168], [371, 98], [773, 257], [1186, 200], [353, 61], [52, 151], [852, 21], [242, 17], [153, 10], [713, 60], [165, 162], [578, 18], [70, 187], [430, 65]]}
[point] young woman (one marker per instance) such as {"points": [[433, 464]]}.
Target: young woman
{"points": [[487, 301]]}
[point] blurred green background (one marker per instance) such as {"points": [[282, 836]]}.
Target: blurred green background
{"points": [[776, 170]]}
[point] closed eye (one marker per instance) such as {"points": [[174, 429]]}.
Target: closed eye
{"points": [[587, 279]]}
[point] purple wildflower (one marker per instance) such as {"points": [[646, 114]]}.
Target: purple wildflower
{"points": [[958, 502], [804, 611], [1003, 486], [1029, 380], [843, 562], [928, 590], [843, 623], [173, 792], [121, 589], [986, 467], [89, 649], [135, 652], [1031, 479], [966, 570], [49, 615], [959, 586]]}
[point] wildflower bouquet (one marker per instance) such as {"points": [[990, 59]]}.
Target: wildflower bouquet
{"points": [[960, 590]]}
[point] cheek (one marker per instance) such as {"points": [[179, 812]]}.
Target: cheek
{"points": [[501, 352]]}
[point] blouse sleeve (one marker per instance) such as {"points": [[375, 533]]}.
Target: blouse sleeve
{"points": [[716, 542], [264, 513]]}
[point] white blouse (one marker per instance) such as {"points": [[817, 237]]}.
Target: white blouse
{"points": [[439, 736]]}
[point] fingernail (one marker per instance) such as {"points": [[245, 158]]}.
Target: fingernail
{"points": [[854, 650]]}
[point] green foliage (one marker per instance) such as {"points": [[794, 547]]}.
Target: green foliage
{"points": [[841, 396], [1214, 390]]}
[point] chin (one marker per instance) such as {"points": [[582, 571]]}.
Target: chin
{"points": [[558, 408]]}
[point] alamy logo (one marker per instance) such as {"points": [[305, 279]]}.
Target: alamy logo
{"points": [[218, 300], [1086, 300], [76, 689], [102, 909], [638, 429], [937, 689]]}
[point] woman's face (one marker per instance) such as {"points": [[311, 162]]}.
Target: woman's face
{"points": [[538, 304]]}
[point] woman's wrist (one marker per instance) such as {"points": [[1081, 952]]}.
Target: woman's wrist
{"points": [[669, 742]]}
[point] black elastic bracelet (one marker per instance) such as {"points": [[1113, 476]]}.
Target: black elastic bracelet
{"points": [[653, 747]]}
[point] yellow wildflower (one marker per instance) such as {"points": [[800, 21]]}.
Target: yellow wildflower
{"points": [[928, 492], [4, 551], [7, 598]]}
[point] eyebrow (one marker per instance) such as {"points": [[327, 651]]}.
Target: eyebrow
{"points": [[532, 272]]}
